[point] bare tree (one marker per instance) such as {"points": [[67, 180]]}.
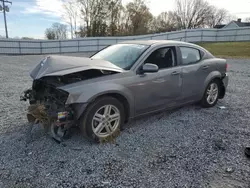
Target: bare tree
{"points": [[82, 32], [230, 18], [94, 13], [164, 22], [247, 19], [71, 14], [86, 10], [50, 34], [192, 13], [110, 17], [57, 31], [217, 16], [139, 17], [60, 30], [114, 11]]}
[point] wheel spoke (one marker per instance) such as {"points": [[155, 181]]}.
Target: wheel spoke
{"points": [[210, 89], [209, 98], [108, 128], [215, 91], [212, 99], [98, 117], [114, 117], [99, 128], [213, 87], [107, 110]]}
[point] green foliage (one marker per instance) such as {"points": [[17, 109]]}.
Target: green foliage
{"points": [[228, 49]]}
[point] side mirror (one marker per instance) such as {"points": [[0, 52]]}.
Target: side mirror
{"points": [[150, 68]]}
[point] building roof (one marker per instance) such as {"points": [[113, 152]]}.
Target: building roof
{"points": [[239, 23], [219, 26], [242, 24]]}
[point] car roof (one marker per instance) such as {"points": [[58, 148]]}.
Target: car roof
{"points": [[167, 42], [151, 42], [163, 42]]}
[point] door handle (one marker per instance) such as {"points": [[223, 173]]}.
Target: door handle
{"points": [[175, 73], [159, 80], [205, 67]]}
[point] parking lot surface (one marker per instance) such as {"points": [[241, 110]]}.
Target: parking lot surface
{"points": [[187, 147]]}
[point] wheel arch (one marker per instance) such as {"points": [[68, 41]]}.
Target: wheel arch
{"points": [[120, 98], [215, 76], [81, 107]]}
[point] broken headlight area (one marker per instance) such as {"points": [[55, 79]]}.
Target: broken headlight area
{"points": [[47, 107]]}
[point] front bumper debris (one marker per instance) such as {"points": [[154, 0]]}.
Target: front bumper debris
{"points": [[57, 126]]}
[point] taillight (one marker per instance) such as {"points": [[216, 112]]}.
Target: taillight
{"points": [[226, 67]]}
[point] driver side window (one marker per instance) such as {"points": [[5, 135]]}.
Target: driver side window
{"points": [[163, 58]]}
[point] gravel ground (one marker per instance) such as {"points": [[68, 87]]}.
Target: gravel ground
{"points": [[188, 147]]}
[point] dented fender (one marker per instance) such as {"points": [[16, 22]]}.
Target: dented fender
{"points": [[84, 94]]}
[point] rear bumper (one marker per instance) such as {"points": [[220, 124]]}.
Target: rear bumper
{"points": [[225, 80]]}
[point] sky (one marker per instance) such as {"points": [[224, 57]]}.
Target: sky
{"points": [[30, 18]]}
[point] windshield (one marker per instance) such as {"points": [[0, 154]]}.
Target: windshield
{"points": [[122, 55]]}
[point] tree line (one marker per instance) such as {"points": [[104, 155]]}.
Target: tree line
{"points": [[112, 18]]}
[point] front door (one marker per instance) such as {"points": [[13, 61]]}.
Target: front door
{"points": [[155, 91]]}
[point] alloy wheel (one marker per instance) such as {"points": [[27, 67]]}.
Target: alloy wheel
{"points": [[212, 93], [106, 120]]}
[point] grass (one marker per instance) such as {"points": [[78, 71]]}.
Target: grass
{"points": [[228, 49]]}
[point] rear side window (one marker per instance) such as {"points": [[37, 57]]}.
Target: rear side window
{"points": [[190, 55]]}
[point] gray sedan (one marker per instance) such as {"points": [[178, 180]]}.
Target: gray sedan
{"points": [[121, 82]]}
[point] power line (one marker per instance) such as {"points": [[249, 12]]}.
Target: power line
{"points": [[5, 9]]}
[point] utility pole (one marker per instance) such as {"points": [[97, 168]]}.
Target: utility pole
{"points": [[5, 9]]}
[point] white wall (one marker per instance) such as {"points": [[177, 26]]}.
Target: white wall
{"points": [[93, 44]]}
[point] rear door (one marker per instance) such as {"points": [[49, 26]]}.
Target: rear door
{"points": [[194, 72]]}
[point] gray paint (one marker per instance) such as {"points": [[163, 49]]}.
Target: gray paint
{"points": [[63, 65], [149, 92]]}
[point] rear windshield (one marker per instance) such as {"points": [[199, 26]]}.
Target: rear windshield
{"points": [[121, 55]]}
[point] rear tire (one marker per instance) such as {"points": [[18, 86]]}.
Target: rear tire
{"points": [[103, 119], [211, 94]]}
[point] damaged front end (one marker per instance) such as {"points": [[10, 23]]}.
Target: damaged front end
{"points": [[47, 107], [58, 109]]}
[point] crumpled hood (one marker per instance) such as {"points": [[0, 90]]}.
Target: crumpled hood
{"points": [[63, 65]]}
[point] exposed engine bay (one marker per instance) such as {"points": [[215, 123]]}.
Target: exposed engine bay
{"points": [[47, 102]]}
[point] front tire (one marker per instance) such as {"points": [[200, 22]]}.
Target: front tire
{"points": [[211, 95], [102, 120]]}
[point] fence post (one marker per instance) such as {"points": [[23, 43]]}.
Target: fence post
{"points": [[235, 36], [60, 50], [19, 44], [41, 50], [202, 35], [185, 40], [98, 44], [216, 35], [78, 45]]}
